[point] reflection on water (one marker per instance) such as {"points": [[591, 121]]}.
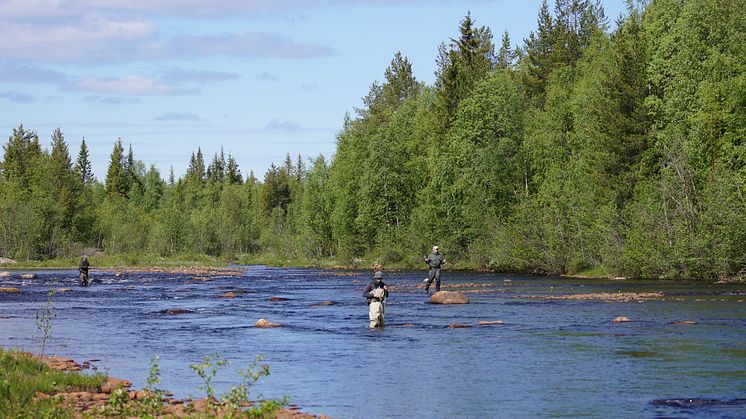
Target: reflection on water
{"points": [[550, 357]]}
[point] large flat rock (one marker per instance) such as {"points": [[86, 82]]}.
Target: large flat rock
{"points": [[449, 297]]}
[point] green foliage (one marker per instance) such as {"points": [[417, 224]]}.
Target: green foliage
{"points": [[581, 150]]}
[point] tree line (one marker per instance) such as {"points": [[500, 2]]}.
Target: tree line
{"points": [[621, 151]]}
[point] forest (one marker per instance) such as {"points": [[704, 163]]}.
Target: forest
{"points": [[617, 149]]}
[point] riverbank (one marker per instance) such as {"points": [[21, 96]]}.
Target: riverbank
{"points": [[197, 264], [32, 386]]}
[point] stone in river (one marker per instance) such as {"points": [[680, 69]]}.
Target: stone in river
{"points": [[266, 323], [449, 297], [490, 322], [621, 319]]}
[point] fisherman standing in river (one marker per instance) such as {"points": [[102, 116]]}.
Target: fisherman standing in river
{"points": [[376, 293], [435, 260], [83, 268]]}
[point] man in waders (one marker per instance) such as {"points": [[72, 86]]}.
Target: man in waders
{"points": [[435, 260], [83, 268], [376, 293]]}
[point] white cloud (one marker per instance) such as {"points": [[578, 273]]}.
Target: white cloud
{"points": [[198, 76], [87, 42], [129, 85], [49, 9], [277, 125], [111, 100], [178, 116], [267, 77], [17, 97], [248, 44]]}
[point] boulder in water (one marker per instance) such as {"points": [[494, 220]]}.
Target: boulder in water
{"points": [[228, 295], [279, 299], [324, 304], [449, 297], [9, 290], [490, 322], [28, 276], [621, 319], [264, 323], [4, 274], [458, 326]]}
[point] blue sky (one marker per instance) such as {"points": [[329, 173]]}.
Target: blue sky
{"points": [[259, 78]]}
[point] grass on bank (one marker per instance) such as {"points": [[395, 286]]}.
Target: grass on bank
{"points": [[119, 260], [22, 376]]}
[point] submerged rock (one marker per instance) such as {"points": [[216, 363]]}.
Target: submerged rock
{"points": [[449, 297], [228, 295], [279, 299], [490, 322], [324, 304], [172, 311], [621, 319], [28, 276], [458, 326], [685, 322], [266, 323], [9, 290]]}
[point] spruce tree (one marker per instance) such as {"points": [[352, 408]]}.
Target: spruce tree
{"points": [[505, 55], [83, 166], [116, 175], [22, 156]]}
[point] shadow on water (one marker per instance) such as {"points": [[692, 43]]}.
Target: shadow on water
{"points": [[548, 358]]}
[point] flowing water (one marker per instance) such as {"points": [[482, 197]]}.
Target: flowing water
{"points": [[549, 358]]}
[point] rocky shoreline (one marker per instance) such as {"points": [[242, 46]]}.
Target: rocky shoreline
{"points": [[84, 402]]}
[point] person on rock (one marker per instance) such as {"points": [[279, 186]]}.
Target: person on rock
{"points": [[83, 269], [376, 293], [435, 260]]}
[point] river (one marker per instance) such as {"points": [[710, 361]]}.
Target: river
{"points": [[549, 358]]}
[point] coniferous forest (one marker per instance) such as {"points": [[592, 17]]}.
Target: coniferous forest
{"points": [[610, 146]]}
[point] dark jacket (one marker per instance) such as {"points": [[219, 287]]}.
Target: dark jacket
{"points": [[435, 260], [83, 268], [367, 292]]}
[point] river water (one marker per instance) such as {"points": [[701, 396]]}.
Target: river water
{"points": [[549, 358]]}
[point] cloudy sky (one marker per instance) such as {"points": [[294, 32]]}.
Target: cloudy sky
{"points": [[259, 78]]}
